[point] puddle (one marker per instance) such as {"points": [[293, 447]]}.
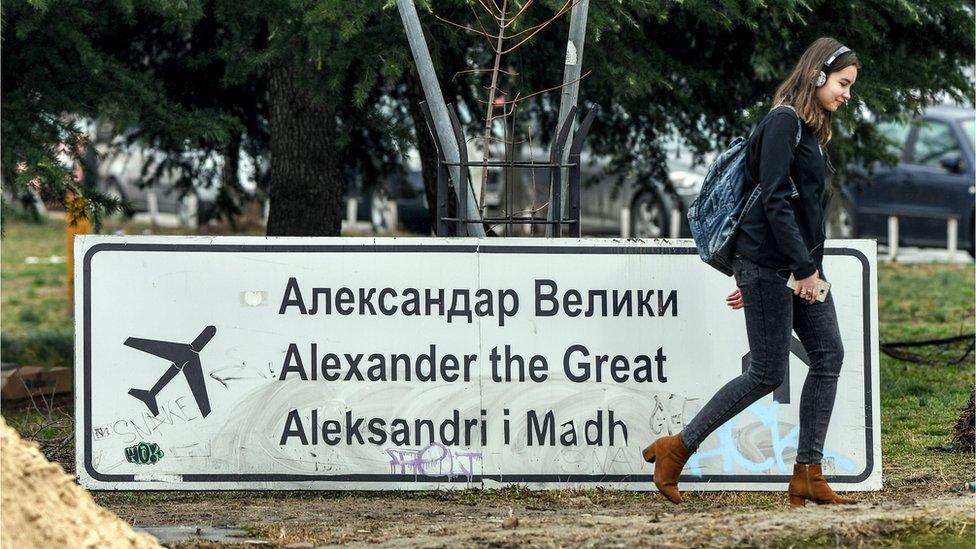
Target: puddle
{"points": [[168, 535]]}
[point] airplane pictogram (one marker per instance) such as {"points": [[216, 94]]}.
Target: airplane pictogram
{"points": [[184, 358]]}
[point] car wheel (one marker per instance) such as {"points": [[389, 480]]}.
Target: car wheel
{"points": [[650, 215], [381, 213], [843, 223]]}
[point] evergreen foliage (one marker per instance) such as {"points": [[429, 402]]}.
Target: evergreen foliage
{"points": [[191, 78]]}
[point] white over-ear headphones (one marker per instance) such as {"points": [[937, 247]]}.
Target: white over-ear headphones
{"points": [[822, 77]]}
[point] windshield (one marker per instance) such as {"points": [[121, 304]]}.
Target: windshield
{"points": [[969, 128]]}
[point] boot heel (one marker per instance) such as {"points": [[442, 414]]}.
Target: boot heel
{"points": [[797, 501], [648, 454]]}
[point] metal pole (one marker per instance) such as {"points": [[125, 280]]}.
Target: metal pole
{"points": [[674, 227], [952, 238], [570, 89], [438, 110], [892, 237]]}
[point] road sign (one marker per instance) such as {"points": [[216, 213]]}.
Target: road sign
{"points": [[317, 363]]}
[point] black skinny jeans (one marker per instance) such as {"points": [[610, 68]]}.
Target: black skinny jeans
{"points": [[772, 313]]}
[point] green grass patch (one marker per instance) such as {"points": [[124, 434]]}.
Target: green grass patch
{"points": [[34, 301], [45, 347], [920, 402]]}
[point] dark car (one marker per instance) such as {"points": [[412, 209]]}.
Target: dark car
{"points": [[404, 191], [932, 183]]}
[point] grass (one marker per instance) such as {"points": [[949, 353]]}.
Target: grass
{"points": [[35, 296], [919, 402]]}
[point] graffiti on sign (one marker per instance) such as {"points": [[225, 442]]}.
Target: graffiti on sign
{"points": [[144, 453], [433, 459], [102, 432]]}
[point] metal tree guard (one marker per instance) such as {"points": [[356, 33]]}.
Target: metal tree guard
{"points": [[445, 222]]}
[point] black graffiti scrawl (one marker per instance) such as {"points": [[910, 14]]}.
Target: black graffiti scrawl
{"points": [[184, 358]]}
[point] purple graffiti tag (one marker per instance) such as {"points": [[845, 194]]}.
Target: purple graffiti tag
{"points": [[469, 471], [423, 461]]}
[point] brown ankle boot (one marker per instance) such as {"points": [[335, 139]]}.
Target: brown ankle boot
{"points": [[808, 483], [669, 455]]}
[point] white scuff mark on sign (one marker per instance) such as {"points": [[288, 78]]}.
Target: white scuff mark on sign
{"points": [[192, 450], [157, 477], [254, 299], [571, 56]]}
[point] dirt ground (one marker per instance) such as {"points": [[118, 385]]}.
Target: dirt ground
{"points": [[591, 518]]}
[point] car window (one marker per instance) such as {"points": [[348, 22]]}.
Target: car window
{"points": [[969, 128], [934, 140], [896, 132]]}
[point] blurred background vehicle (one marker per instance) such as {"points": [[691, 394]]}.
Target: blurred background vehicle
{"points": [[129, 173], [150, 182], [396, 204], [611, 204], [934, 181]]}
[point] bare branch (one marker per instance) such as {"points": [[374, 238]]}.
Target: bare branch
{"points": [[493, 11], [539, 28], [562, 11], [530, 211], [506, 141], [517, 15], [459, 73], [518, 99], [482, 25], [487, 36], [510, 112], [491, 95]]}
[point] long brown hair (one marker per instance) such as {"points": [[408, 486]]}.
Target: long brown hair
{"points": [[800, 90]]}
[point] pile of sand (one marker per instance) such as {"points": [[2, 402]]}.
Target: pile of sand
{"points": [[41, 506]]}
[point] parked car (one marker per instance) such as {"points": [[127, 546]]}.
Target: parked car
{"points": [[650, 202], [932, 182], [403, 191], [121, 177]]}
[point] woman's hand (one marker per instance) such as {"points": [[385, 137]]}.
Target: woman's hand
{"points": [[734, 299], [807, 287]]}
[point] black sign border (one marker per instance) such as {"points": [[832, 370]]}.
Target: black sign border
{"points": [[463, 479]]}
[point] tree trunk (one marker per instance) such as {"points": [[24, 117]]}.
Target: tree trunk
{"points": [[306, 187], [228, 202], [425, 146]]}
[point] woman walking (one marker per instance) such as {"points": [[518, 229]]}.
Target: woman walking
{"points": [[782, 235]]}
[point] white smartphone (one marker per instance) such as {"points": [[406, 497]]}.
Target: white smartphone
{"points": [[822, 288]]}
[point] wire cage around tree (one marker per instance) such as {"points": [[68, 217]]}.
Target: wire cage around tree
{"points": [[559, 222]]}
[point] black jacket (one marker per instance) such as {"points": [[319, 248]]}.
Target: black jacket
{"points": [[785, 232]]}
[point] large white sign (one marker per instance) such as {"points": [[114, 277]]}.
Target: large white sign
{"points": [[315, 363]]}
